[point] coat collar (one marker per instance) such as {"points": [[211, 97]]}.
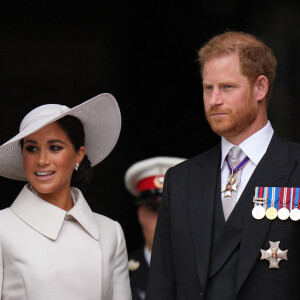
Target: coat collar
{"points": [[48, 219]]}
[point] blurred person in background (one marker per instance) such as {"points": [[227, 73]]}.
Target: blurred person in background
{"points": [[144, 180]]}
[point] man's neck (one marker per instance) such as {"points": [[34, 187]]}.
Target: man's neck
{"points": [[238, 139]]}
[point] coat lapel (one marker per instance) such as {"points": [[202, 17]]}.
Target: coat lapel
{"points": [[231, 235], [201, 200], [275, 169]]}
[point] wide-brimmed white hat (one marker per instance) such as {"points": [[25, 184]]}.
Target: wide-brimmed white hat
{"points": [[148, 174], [100, 117]]}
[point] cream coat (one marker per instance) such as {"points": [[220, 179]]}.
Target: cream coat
{"points": [[47, 253]]}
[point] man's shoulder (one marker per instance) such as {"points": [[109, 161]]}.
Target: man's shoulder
{"points": [[294, 147], [282, 143], [200, 159]]}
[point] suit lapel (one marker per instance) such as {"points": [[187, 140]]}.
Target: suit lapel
{"points": [[201, 200], [274, 169]]}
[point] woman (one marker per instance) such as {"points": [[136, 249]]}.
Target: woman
{"points": [[52, 246]]}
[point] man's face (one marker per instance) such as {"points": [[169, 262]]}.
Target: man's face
{"points": [[230, 107]]}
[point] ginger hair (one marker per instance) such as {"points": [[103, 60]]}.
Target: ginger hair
{"points": [[255, 57]]}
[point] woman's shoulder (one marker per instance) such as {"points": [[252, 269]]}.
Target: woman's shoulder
{"points": [[7, 221], [107, 226], [5, 213], [111, 235], [105, 221]]}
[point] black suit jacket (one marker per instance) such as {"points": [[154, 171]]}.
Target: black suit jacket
{"points": [[182, 251]]}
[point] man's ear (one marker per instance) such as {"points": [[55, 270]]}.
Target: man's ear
{"points": [[261, 87]]}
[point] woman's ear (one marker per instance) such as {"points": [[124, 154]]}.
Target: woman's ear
{"points": [[80, 154]]}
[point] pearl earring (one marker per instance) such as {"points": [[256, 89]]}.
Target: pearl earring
{"points": [[76, 166]]}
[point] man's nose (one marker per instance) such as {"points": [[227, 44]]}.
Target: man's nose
{"points": [[216, 97]]}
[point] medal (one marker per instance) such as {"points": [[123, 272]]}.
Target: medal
{"points": [[232, 184], [274, 255], [260, 200], [284, 213], [258, 212], [271, 212], [295, 212]]}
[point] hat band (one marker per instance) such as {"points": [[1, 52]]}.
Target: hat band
{"points": [[152, 182]]}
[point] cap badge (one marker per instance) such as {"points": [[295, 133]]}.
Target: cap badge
{"points": [[159, 181]]}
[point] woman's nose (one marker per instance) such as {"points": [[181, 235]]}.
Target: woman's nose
{"points": [[43, 158]]}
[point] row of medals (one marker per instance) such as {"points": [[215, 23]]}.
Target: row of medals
{"points": [[259, 211]]}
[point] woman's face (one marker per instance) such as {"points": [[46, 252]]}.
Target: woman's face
{"points": [[49, 159]]}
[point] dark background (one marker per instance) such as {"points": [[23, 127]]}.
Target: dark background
{"points": [[144, 53]]}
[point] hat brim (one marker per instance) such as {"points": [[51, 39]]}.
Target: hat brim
{"points": [[101, 119]]}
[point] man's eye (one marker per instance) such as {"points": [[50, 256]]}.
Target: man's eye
{"points": [[55, 148], [208, 88], [30, 149], [228, 86]]}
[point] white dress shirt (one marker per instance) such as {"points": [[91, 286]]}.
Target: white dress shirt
{"points": [[47, 253], [254, 147]]}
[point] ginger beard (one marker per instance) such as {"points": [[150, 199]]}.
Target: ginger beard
{"points": [[237, 120]]}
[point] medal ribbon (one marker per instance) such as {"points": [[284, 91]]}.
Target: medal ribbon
{"points": [[295, 198], [285, 194], [240, 166], [273, 197], [261, 193]]}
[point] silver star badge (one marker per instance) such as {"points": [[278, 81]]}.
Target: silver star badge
{"points": [[230, 186], [274, 255]]}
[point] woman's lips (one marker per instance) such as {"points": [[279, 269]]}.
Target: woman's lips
{"points": [[45, 175]]}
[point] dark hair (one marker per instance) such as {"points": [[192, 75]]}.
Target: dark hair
{"points": [[74, 129]]}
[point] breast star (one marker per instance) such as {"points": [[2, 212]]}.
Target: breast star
{"points": [[274, 255]]}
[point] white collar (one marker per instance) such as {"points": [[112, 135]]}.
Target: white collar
{"points": [[254, 146], [48, 219], [147, 255]]}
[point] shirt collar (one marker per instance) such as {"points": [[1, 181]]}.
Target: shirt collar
{"points": [[249, 146], [147, 255], [48, 219]]}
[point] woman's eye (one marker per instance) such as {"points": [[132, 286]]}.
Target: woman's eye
{"points": [[30, 148], [55, 148]]}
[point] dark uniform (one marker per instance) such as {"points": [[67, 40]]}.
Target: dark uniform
{"points": [[139, 275]]}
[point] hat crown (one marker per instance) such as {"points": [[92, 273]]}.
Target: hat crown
{"points": [[42, 112]]}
